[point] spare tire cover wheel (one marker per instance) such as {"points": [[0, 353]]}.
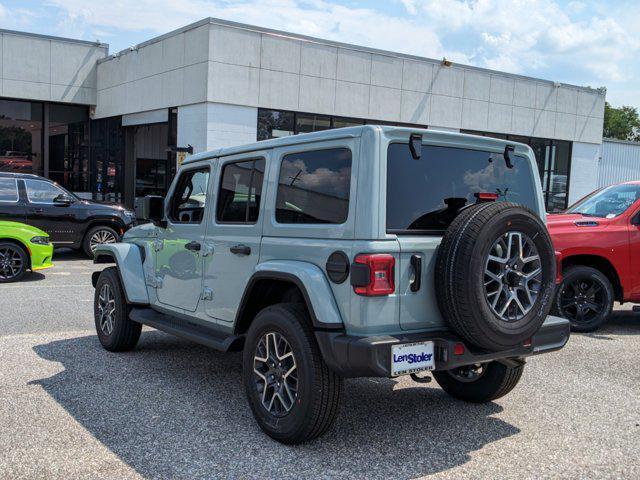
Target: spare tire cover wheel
{"points": [[495, 274]]}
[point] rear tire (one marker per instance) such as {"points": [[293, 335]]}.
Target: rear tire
{"points": [[311, 393], [116, 331], [495, 381], [585, 298], [97, 236]]}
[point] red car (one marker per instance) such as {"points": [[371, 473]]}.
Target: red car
{"points": [[598, 239]]}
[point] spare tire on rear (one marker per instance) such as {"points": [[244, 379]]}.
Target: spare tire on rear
{"points": [[495, 273]]}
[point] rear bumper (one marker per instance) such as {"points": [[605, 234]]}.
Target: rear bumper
{"points": [[352, 356]]}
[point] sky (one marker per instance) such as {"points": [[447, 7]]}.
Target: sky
{"points": [[580, 42]]}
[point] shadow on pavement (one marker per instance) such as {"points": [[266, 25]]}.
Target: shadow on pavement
{"points": [[620, 322], [68, 254], [32, 277], [174, 409]]}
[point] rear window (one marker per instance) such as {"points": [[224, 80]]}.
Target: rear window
{"points": [[426, 194], [313, 187]]}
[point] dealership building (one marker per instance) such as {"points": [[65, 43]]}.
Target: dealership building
{"points": [[115, 126]]}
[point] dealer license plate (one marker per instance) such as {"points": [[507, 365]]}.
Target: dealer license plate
{"points": [[411, 357]]}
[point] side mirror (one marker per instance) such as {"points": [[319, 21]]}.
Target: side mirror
{"points": [[63, 200], [153, 209]]}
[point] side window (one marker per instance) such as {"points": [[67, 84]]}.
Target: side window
{"points": [[41, 192], [240, 192], [190, 197], [8, 190], [314, 187]]}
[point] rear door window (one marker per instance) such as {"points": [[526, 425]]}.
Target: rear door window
{"points": [[240, 192], [425, 195], [8, 190]]}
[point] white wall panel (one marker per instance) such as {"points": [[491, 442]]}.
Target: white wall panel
{"points": [[44, 68], [584, 170], [417, 76], [386, 71], [234, 46], [318, 60], [415, 107], [620, 162], [477, 85], [281, 54], [354, 66]]}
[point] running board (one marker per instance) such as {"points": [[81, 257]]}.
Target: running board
{"points": [[187, 330]]}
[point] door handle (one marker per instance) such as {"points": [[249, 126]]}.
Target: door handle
{"points": [[193, 246], [37, 210], [240, 250], [416, 263]]}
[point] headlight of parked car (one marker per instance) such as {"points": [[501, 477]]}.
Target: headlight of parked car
{"points": [[40, 240], [128, 214]]}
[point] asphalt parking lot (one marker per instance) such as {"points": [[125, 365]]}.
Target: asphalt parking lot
{"points": [[172, 409]]}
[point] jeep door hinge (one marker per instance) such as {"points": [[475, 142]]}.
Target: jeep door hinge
{"points": [[154, 281], [207, 249], [158, 245], [207, 294]]}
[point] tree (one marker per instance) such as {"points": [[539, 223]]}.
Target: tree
{"points": [[622, 123]]}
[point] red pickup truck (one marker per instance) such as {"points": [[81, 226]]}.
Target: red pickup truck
{"points": [[599, 242]]}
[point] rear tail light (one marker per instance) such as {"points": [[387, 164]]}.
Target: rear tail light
{"points": [[373, 274]]}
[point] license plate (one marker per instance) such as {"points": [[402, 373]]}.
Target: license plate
{"points": [[411, 357]]}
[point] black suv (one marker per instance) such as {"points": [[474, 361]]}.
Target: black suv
{"points": [[70, 221]]}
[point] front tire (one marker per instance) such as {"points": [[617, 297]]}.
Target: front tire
{"points": [[292, 393], [116, 331], [13, 262], [585, 298], [479, 383], [98, 236]]}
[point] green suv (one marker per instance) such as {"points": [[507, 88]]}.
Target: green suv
{"points": [[358, 252]]}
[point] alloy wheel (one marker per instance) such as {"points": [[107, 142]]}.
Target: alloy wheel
{"points": [[100, 237], [11, 262], [106, 309], [512, 276], [276, 374], [582, 300]]}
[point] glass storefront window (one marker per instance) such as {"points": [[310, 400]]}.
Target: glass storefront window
{"points": [[274, 124], [347, 122], [312, 123], [69, 147], [21, 137], [107, 152]]}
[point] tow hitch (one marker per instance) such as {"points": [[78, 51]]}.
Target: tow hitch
{"points": [[416, 378]]}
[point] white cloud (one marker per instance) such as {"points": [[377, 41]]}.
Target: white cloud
{"points": [[530, 35]]}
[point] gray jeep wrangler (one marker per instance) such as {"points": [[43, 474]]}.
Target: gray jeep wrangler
{"points": [[358, 252]]}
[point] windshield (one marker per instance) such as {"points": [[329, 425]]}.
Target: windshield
{"points": [[608, 202], [427, 194]]}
